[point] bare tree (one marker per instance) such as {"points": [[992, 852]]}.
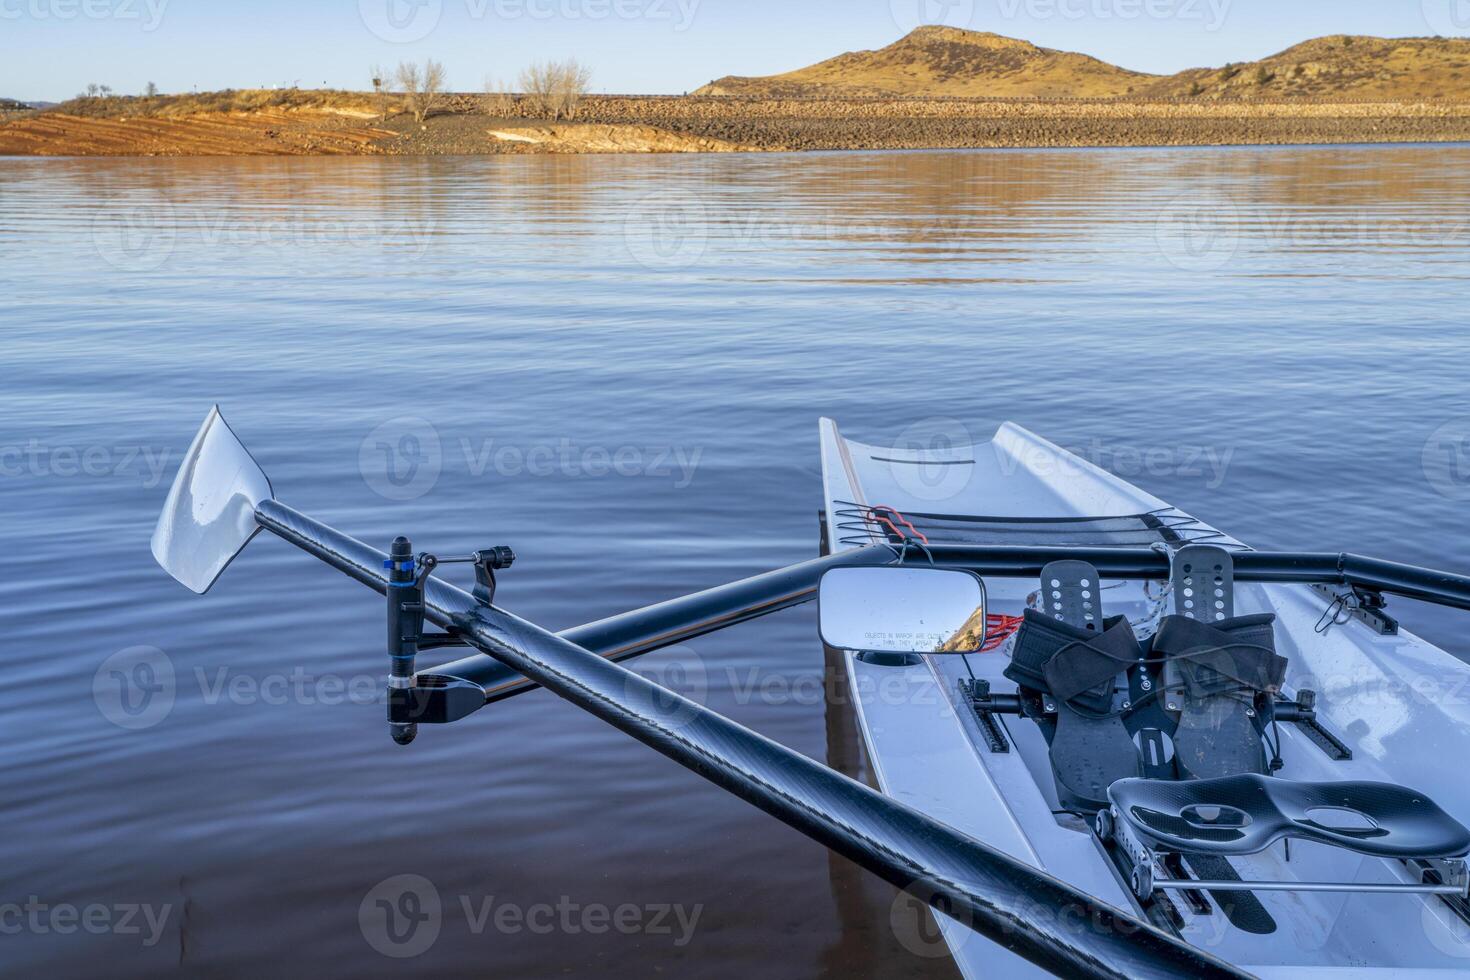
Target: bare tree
{"points": [[573, 79], [151, 91], [92, 89], [422, 87], [556, 88], [498, 101], [537, 83]]}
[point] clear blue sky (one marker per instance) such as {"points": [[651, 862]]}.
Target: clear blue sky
{"points": [[50, 49]]}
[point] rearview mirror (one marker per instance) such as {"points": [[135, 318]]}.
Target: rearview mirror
{"points": [[902, 609]]}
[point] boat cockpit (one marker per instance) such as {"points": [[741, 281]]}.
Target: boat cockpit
{"points": [[1167, 743]]}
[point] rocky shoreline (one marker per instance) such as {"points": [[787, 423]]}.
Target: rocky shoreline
{"points": [[655, 124]]}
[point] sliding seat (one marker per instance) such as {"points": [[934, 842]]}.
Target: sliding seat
{"points": [[1245, 814]]}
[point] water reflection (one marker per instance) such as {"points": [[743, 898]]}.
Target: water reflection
{"points": [[1294, 316], [931, 217]]}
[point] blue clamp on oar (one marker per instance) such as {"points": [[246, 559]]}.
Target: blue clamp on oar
{"points": [[406, 637]]}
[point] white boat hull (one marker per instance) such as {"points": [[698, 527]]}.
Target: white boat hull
{"points": [[1399, 703]]}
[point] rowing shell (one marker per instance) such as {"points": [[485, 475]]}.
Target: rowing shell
{"points": [[1400, 705]]}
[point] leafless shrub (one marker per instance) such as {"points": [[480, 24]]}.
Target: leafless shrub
{"points": [[537, 84], [498, 101], [423, 88], [573, 79], [556, 88]]}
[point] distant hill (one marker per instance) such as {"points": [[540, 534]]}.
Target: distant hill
{"points": [[948, 61], [13, 105], [1341, 66]]}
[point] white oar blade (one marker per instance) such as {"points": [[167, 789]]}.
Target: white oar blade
{"points": [[209, 516]]}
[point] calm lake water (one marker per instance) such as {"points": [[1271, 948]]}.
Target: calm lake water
{"points": [[616, 365]]}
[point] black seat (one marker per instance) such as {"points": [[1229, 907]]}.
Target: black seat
{"points": [[1248, 813]]}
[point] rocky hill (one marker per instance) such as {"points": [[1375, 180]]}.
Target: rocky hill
{"points": [[946, 61], [950, 62]]}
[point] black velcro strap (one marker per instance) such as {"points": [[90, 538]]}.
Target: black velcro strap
{"points": [[1216, 658], [1087, 664], [1069, 663]]}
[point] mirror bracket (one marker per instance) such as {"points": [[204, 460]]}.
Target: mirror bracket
{"points": [[877, 659]]}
